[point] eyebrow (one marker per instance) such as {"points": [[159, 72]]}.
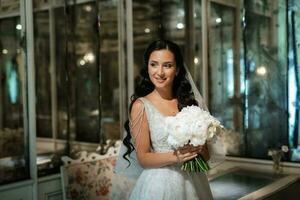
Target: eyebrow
{"points": [[167, 62]]}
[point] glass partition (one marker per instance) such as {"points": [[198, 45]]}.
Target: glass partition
{"points": [[147, 27], [173, 19], [109, 70], [43, 78], [265, 111], [197, 38], [153, 20], [221, 62], [248, 76], [14, 164], [225, 71], [77, 73]]}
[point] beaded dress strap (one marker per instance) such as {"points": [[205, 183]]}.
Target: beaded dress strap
{"points": [[136, 123]]}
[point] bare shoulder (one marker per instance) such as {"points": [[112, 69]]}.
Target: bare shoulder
{"points": [[137, 107]]}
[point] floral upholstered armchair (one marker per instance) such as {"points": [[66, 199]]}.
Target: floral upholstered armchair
{"points": [[90, 176]]}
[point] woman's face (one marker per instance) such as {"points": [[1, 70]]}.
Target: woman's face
{"points": [[162, 68]]}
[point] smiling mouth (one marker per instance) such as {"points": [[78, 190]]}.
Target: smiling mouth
{"points": [[160, 80]]}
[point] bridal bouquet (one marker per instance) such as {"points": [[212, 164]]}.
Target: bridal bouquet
{"points": [[194, 126]]}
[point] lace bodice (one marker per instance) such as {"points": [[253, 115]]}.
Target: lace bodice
{"points": [[157, 127]]}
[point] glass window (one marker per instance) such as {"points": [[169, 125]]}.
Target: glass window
{"points": [[77, 73], [147, 27], [248, 92], [86, 71], [221, 65], [173, 21], [153, 20], [197, 33], [224, 70], [13, 153], [109, 70], [266, 78], [261, 80], [42, 71]]}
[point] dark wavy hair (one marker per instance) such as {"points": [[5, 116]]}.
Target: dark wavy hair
{"points": [[181, 87]]}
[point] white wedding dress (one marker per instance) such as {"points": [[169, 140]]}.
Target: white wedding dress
{"points": [[167, 183]]}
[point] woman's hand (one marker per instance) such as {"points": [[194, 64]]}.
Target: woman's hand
{"points": [[188, 152]]}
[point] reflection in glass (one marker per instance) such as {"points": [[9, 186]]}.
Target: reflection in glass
{"points": [[42, 78], [110, 86], [81, 89], [221, 50], [147, 27], [86, 72], [40, 3], [224, 71], [9, 6], [265, 83], [197, 32], [173, 22], [153, 20], [76, 79], [262, 75], [47, 148], [13, 155], [77, 74]]}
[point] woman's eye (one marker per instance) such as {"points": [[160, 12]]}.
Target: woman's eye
{"points": [[152, 64], [168, 65]]}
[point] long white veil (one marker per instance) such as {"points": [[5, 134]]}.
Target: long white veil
{"points": [[215, 147], [131, 171], [125, 174]]}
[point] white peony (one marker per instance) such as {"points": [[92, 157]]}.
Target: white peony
{"points": [[178, 137], [191, 125]]}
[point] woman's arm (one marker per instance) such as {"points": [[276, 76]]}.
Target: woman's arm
{"points": [[141, 134]]}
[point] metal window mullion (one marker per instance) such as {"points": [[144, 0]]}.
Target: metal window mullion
{"points": [[190, 37], [102, 137], [205, 13], [238, 113], [1, 103], [23, 78], [122, 63], [29, 92], [53, 86], [129, 49]]}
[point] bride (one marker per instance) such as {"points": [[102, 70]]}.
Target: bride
{"points": [[162, 92]]}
